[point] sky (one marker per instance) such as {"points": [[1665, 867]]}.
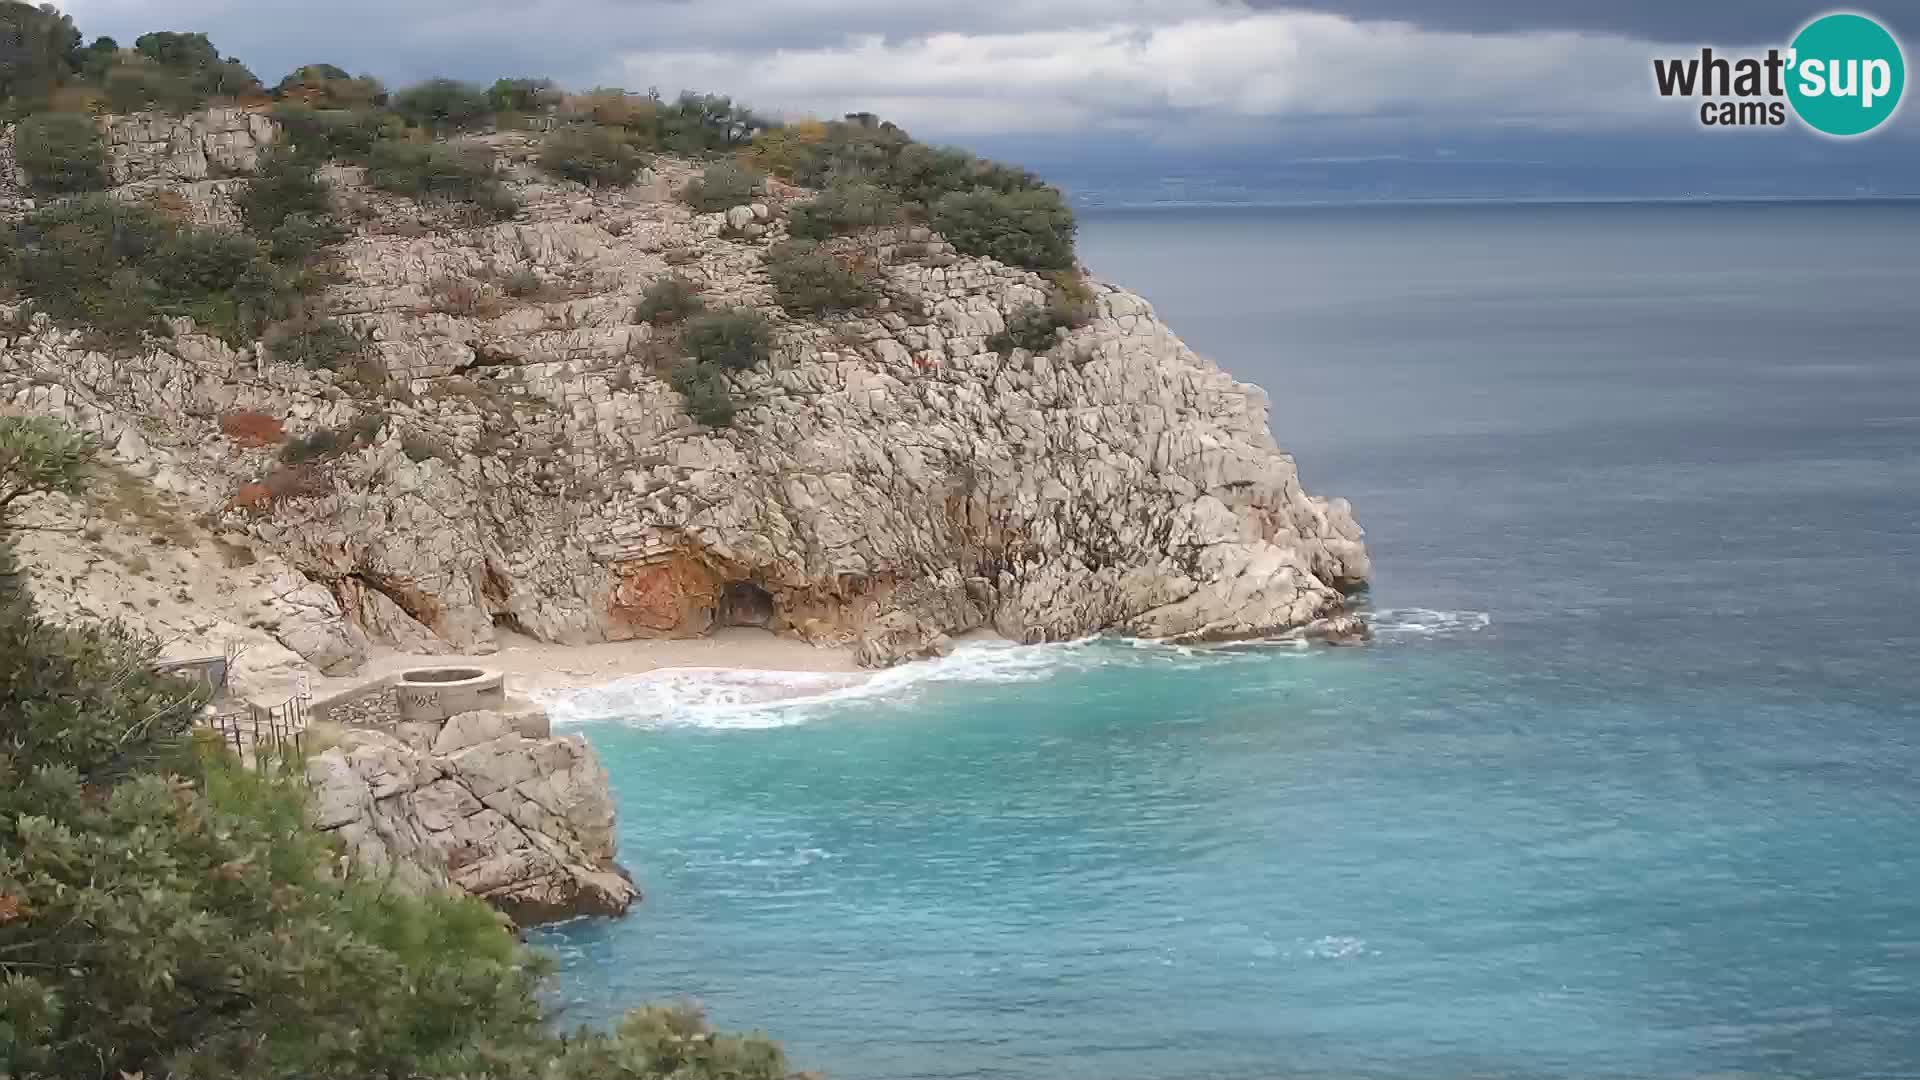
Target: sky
{"points": [[1491, 80]]}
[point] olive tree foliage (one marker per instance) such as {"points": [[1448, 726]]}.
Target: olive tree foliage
{"points": [[166, 911]]}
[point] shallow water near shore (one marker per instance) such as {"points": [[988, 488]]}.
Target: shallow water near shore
{"points": [[1629, 786]]}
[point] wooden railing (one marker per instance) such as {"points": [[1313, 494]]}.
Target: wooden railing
{"points": [[279, 728]]}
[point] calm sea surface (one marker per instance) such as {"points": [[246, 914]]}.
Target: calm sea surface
{"points": [[1628, 787]]}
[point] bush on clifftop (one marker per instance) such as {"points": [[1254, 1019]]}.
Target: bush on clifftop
{"points": [[735, 340], [722, 187], [808, 280], [594, 155], [669, 300], [844, 207], [443, 105], [441, 172], [1033, 229]]}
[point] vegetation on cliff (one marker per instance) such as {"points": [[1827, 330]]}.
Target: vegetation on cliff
{"points": [[870, 175], [165, 912]]}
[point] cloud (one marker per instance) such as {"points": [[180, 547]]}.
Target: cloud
{"points": [[1222, 67], [1745, 22], [1195, 68]]}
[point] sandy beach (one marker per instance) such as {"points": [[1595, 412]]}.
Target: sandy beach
{"points": [[534, 666]]}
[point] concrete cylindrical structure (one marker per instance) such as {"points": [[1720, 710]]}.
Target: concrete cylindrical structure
{"points": [[431, 695]]}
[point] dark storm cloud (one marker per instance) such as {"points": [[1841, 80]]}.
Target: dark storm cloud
{"points": [[1683, 21]]}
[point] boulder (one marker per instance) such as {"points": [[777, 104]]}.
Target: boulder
{"points": [[525, 824]]}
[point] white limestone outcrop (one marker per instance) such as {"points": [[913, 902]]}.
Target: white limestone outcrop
{"points": [[889, 480], [489, 803]]}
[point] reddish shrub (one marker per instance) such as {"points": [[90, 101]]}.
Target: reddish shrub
{"points": [[252, 429], [251, 497]]}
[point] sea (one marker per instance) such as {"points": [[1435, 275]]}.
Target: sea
{"points": [[1628, 785]]}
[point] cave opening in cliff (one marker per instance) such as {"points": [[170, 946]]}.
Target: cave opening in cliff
{"points": [[742, 603]]}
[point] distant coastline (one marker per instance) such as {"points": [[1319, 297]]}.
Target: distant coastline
{"points": [[1096, 207]]}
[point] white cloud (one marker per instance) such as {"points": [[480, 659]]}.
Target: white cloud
{"points": [[950, 69], [1120, 74]]}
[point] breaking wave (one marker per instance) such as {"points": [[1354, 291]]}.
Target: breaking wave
{"points": [[1426, 622], [751, 699]]}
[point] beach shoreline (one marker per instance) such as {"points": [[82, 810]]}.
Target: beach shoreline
{"points": [[535, 667]]}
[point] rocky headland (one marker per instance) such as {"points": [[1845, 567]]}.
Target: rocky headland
{"points": [[523, 463]]}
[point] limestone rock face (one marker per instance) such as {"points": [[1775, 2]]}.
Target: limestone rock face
{"points": [[200, 146], [889, 481], [525, 823]]}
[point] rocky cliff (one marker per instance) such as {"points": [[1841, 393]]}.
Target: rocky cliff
{"points": [[889, 480], [488, 802]]}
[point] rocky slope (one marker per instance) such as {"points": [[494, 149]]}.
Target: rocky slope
{"points": [[888, 481], [489, 803]]}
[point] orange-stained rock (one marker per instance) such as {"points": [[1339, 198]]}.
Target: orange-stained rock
{"points": [[670, 597]]}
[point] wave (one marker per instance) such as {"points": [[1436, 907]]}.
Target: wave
{"points": [[1426, 622], [731, 698], [723, 698]]}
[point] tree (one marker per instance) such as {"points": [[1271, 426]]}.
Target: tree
{"points": [[523, 95], [39, 50], [194, 57], [443, 105], [324, 86]]}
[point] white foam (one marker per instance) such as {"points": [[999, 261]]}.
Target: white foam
{"points": [[1426, 622], [729, 698]]}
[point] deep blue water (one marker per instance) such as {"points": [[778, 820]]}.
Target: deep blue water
{"points": [[1628, 787]]}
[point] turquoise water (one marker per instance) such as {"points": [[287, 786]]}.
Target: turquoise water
{"points": [[1628, 787]]}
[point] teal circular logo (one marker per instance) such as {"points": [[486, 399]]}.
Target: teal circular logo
{"points": [[1845, 74]]}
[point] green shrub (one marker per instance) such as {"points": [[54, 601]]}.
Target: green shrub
{"points": [[723, 186], [669, 300], [317, 445], [1033, 229], [733, 340], [843, 208], [319, 135], [287, 204], [1036, 328], [442, 172], [600, 156], [443, 105], [523, 95], [709, 395], [165, 911], [808, 280], [316, 344], [983, 207], [324, 86], [301, 239], [61, 152], [94, 262]]}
